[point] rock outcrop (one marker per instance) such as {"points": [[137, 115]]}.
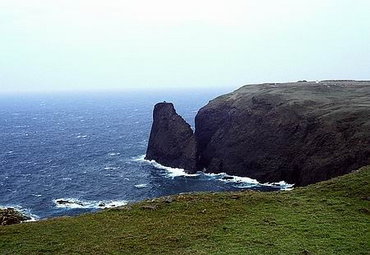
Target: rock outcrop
{"points": [[172, 141], [301, 132], [9, 216]]}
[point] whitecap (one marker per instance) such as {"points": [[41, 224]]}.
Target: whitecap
{"points": [[110, 168], [73, 203], [140, 186], [114, 154], [81, 136]]}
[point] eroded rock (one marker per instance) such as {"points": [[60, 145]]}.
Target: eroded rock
{"points": [[297, 132], [10, 216], [172, 142], [301, 132]]}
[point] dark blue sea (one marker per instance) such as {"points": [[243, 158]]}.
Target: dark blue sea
{"points": [[69, 154]]}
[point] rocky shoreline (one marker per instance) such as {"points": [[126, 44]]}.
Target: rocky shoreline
{"points": [[10, 216], [301, 132]]}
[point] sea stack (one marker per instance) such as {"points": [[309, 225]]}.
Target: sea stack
{"points": [[299, 132], [172, 141]]}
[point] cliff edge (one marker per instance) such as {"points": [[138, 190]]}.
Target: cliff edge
{"points": [[301, 132]]}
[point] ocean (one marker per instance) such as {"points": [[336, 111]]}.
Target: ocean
{"points": [[69, 154]]}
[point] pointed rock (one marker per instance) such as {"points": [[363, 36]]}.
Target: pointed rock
{"points": [[172, 142]]}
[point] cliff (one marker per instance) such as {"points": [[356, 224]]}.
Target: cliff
{"points": [[301, 132], [171, 142]]}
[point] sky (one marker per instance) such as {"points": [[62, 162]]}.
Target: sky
{"points": [[62, 45]]}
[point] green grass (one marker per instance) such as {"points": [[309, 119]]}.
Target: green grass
{"points": [[330, 217]]}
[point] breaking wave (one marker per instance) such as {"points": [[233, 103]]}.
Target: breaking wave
{"points": [[237, 181], [141, 186], [246, 182], [24, 211], [171, 172], [73, 203]]}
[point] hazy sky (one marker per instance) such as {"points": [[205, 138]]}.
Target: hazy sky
{"points": [[118, 44]]}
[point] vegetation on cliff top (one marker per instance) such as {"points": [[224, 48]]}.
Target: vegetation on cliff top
{"points": [[330, 217]]}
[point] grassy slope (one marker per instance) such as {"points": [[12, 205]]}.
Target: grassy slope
{"points": [[331, 217]]}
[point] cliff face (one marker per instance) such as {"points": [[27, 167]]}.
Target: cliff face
{"points": [[171, 142], [301, 132]]}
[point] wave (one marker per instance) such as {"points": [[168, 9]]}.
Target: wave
{"points": [[111, 168], [172, 172], [73, 203], [237, 181], [114, 154], [81, 136], [140, 186], [246, 182]]}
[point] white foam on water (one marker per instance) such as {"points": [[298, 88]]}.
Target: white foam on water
{"points": [[172, 172], [232, 178], [117, 203], [81, 136], [24, 211], [140, 158], [73, 203], [238, 181], [140, 186], [282, 185], [246, 182], [111, 168], [114, 154]]}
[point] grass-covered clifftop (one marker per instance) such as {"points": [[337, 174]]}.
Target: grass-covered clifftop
{"points": [[330, 217]]}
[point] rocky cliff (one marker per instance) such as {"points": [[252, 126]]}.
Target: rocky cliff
{"points": [[171, 142], [300, 132]]}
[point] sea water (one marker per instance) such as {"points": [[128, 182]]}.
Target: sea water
{"points": [[69, 154]]}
